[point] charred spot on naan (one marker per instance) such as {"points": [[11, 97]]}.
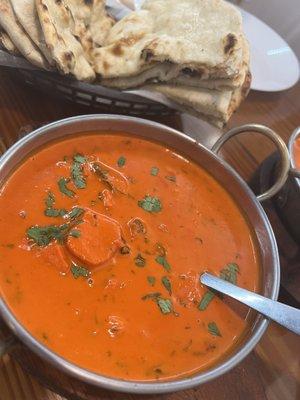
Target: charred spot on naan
{"points": [[193, 72], [69, 58], [117, 50], [106, 65], [230, 42], [119, 47]]}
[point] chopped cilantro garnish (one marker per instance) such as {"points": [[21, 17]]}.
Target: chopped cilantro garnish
{"points": [[43, 235], [206, 299], [79, 271], [163, 261], [167, 284], [50, 211], [154, 171], [151, 280], [140, 261], [213, 329], [75, 233], [75, 213], [121, 161], [54, 212], [229, 273], [62, 184], [150, 204], [165, 305], [50, 200], [160, 250], [79, 158], [77, 171]]}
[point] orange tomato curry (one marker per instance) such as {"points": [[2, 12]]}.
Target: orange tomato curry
{"points": [[103, 238], [297, 152]]}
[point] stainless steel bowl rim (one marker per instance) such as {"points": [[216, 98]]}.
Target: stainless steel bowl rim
{"points": [[132, 386]]}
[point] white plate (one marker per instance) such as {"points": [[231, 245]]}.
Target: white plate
{"points": [[274, 66]]}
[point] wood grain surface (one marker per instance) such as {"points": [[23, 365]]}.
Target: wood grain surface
{"points": [[272, 372]]}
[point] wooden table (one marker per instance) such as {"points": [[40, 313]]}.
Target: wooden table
{"points": [[272, 371]]}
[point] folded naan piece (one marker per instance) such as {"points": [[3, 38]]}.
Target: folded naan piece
{"points": [[168, 38], [26, 13], [58, 27], [215, 106], [7, 44], [19, 37], [188, 78], [91, 23]]}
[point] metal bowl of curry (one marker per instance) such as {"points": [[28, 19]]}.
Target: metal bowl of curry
{"points": [[106, 224]]}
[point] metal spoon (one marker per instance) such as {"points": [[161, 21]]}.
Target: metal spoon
{"points": [[287, 316]]}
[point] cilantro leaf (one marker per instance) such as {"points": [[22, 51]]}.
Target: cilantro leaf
{"points": [[77, 171], [163, 261], [229, 273], [167, 284], [43, 235], [79, 158], [79, 271], [50, 211], [54, 212], [154, 171], [165, 305], [75, 233], [160, 250], [62, 184], [140, 261], [150, 204], [206, 299], [151, 280], [50, 200], [213, 329], [75, 213], [121, 161]]}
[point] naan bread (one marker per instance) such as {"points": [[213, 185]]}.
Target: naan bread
{"points": [[26, 14], [185, 77], [7, 44], [91, 23], [216, 106], [18, 36], [167, 38], [58, 26]]}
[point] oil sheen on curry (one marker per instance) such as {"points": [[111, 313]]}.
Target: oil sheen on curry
{"points": [[103, 239]]}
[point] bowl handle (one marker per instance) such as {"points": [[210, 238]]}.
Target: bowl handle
{"points": [[276, 139]]}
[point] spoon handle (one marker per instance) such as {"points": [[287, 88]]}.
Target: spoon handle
{"points": [[284, 315]]}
